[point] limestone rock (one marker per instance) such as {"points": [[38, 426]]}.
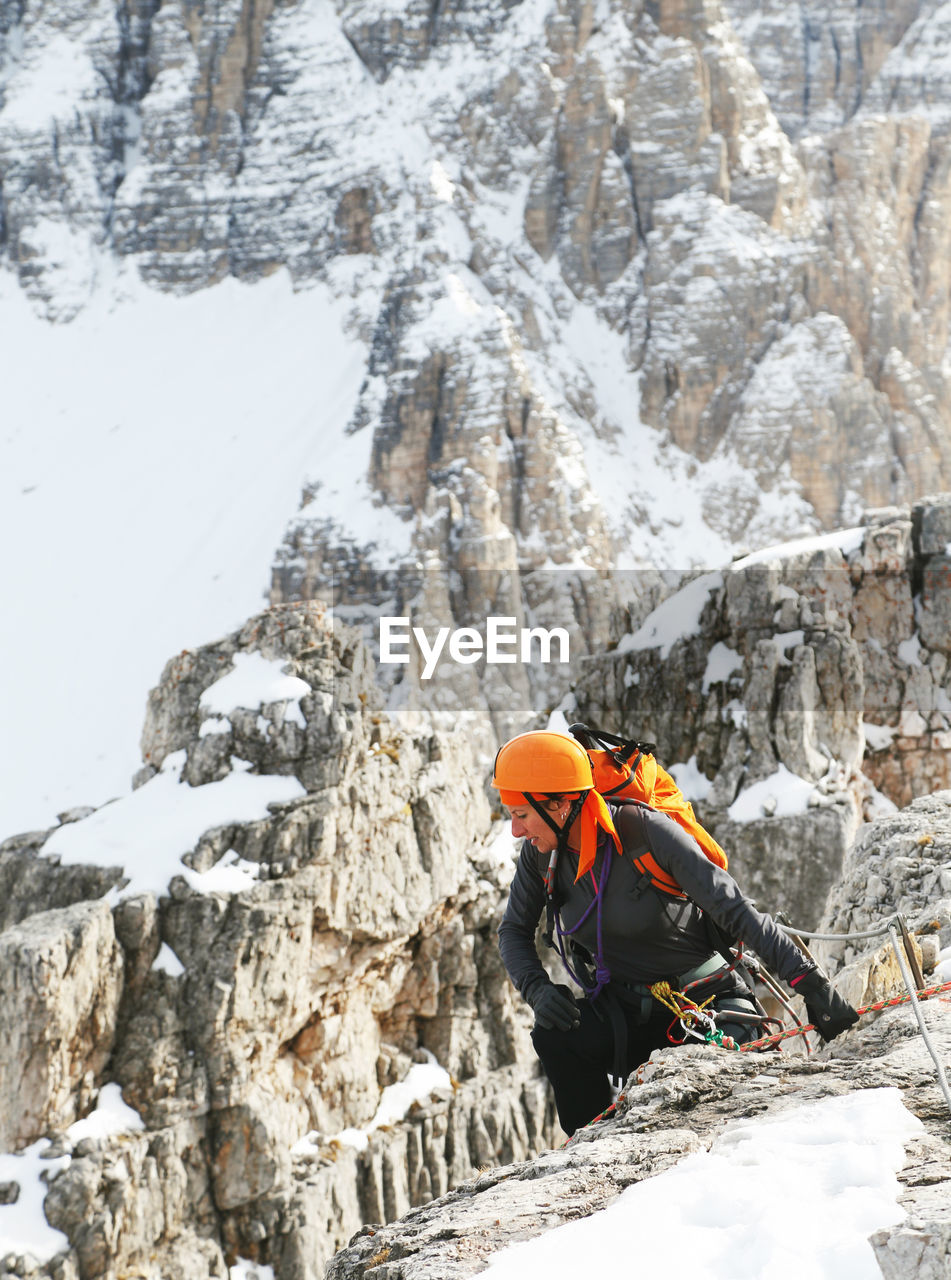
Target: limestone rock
{"points": [[687, 1097], [242, 1020], [366, 941], [724, 197], [27, 877], [811, 662], [897, 864], [58, 1007]]}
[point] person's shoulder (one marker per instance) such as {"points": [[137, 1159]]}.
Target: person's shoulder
{"points": [[636, 819], [630, 817], [636, 811]]}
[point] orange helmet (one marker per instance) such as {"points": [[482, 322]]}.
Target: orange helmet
{"points": [[542, 762]]}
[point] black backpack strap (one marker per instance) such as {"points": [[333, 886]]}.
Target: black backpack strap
{"points": [[623, 749]]}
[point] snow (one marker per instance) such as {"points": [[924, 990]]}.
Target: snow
{"points": [[722, 661], [422, 1080], [23, 1225], [780, 795], [788, 1196], [244, 1270], [735, 713], [213, 725], [878, 736], [909, 651], [168, 962], [147, 832], [154, 477], [111, 1116], [229, 875], [876, 805], [691, 780], [47, 83], [644, 483], [943, 966], [501, 850], [785, 640], [844, 540], [557, 720], [254, 681], [146, 487], [676, 618]]}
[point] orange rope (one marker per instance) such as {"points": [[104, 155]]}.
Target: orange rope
{"points": [[769, 1041]]}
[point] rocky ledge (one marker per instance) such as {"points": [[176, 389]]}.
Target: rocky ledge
{"points": [[689, 1097]]}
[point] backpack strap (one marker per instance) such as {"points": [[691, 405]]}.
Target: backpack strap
{"points": [[647, 864], [653, 876]]}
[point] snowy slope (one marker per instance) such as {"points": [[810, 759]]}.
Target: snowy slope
{"points": [[151, 453], [826, 1170]]}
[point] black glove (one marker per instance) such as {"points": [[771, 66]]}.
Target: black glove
{"points": [[825, 1007], [555, 1008]]}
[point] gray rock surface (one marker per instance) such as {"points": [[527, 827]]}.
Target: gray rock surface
{"points": [[362, 941], [827, 662], [689, 1096], [365, 942], [627, 238], [59, 1002]]}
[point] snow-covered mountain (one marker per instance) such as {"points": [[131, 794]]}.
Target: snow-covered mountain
{"points": [[497, 287]]}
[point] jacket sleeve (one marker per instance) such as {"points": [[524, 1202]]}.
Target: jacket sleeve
{"points": [[717, 893], [520, 921]]}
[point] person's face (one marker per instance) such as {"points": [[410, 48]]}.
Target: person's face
{"points": [[529, 825]]}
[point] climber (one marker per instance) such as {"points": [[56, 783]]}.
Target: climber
{"points": [[623, 933]]}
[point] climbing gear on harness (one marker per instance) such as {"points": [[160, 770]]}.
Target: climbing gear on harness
{"points": [[689, 1014], [699, 1020], [769, 1042]]}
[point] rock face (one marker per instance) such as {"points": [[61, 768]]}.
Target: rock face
{"points": [[628, 237], [255, 1003], [358, 938], [686, 1102], [828, 663], [63, 978]]}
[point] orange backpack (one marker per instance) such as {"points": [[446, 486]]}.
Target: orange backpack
{"points": [[625, 770]]}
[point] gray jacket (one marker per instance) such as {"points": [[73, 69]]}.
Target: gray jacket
{"points": [[647, 935]]}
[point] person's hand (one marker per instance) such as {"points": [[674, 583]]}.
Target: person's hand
{"points": [[826, 1009], [555, 1008]]}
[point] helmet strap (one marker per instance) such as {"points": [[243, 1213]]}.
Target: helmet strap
{"points": [[561, 832]]}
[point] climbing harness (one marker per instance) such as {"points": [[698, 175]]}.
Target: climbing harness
{"points": [[701, 1025], [769, 1042], [916, 991]]}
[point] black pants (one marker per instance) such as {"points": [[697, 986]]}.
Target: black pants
{"points": [[578, 1062]]}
